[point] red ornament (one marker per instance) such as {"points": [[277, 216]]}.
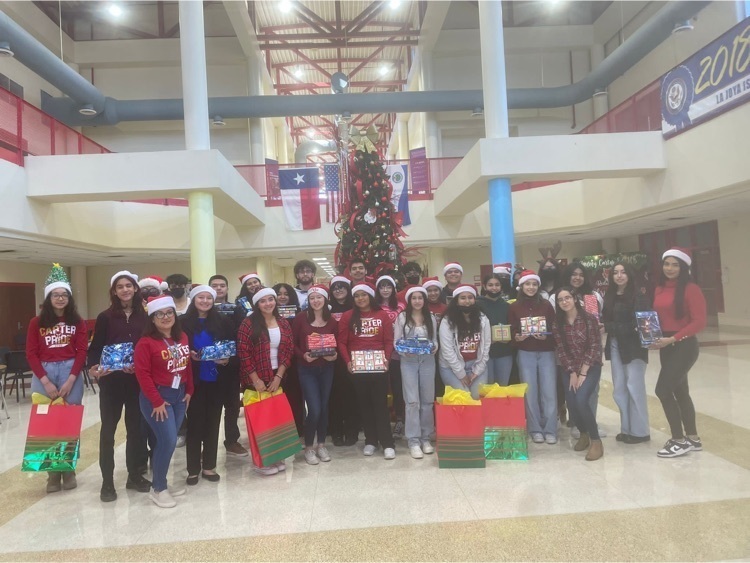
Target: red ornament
{"points": [[376, 184], [384, 199]]}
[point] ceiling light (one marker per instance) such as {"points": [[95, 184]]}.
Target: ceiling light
{"points": [[298, 72], [5, 50], [114, 10], [394, 4], [679, 27], [339, 82], [310, 133], [384, 70], [320, 259], [218, 121], [87, 109], [285, 6]]}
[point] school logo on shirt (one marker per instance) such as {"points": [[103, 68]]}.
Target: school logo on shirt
{"points": [[470, 344], [177, 357], [370, 328], [58, 336]]}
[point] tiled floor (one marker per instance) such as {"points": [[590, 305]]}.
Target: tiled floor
{"points": [[352, 507]]}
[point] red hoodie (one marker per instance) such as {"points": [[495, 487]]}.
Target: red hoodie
{"points": [[155, 365], [56, 344]]}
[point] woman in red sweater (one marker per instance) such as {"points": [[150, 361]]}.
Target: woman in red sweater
{"points": [[165, 375], [682, 313], [264, 346], [366, 327], [56, 345]]}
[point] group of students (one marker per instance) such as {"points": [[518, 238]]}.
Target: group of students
{"points": [[170, 326]]}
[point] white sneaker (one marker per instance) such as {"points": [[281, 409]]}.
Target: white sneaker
{"points": [[323, 454], [177, 491], [181, 441], [162, 499], [415, 452], [389, 453], [273, 470], [602, 432], [427, 447], [369, 450], [537, 437], [550, 439], [575, 432], [280, 465], [311, 458]]}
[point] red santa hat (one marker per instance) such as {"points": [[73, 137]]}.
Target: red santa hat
{"points": [[160, 303], [319, 289], [243, 278], [527, 275], [261, 293], [431, 282], [202, 289], [453, 266], [415, 289], [385, 278], [678, 252], [502, 269], [366, 287], [153, 281], [123, 274], [340, 279], [464, 288]]}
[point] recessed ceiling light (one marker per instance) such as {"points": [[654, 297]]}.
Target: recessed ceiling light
{"points": [[285, 6], [114, 10], [384, 70], [394, 4], [320, 259], [298, 72]]}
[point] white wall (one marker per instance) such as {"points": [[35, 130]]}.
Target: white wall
{"points": [[734, 233]]}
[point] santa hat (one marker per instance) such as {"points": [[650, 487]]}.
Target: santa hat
{"points": [[153, 281], [123, 274], [415, 289], [502, 269], [243, 279], [366, 287], [527, 275], [340, 279], [57, 279], [160, 303], [431, 282], [322, 290], [261, 293], [385, 278], [678, 252], [464, 288], [453, 266], [202, 289]]}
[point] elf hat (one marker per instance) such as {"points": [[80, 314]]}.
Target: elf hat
{"points": [[678, 252], [527, 275], [123, 274], [366, 287], [202, 289], [340, 279], [502, 269], [153, 281], [464, 288], [453, 266], [57, 279], [385, 278], [245, 277], [320, 289], [159, 304], [431, 282], [415, 289], [261, 293]]}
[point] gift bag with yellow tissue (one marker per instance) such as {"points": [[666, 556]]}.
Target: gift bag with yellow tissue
{"points": [[270, 427], [54, 436], [504, 417], [460, 430]]}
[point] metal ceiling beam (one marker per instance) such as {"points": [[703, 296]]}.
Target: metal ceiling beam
{"points": [[362, 15], [337, 35], [394, 62], [374, 13], [363, 84], [340, 43], [294, 26], [290, 75], [303, 10]]}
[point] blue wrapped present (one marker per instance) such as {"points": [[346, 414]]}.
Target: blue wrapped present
{"points": [[117, 357], [221, 350], [418, 346]]}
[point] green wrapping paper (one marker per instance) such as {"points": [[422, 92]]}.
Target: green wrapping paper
{"points": [[51, 455], [505, 443], [53, 438]]}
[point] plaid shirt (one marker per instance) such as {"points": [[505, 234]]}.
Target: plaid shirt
{"points": [[583, 342], [257, 358]]}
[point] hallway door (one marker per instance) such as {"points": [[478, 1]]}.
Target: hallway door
{"points": [[17, 308]]}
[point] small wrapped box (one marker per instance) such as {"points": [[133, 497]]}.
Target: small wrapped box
{"points": [[225, 308], [221, 350], [321, 345], [246, 304], [591, 305], [368, 361], [288, 311], [420, 346], [117, 357], [649, 328], [501, 333], [534, 325]]}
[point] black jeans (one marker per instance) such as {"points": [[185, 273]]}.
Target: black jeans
{"points": [[229, 384], [672, 386], [372, 395], [203, 426], [343, 411], [397, 390], [118, 390]]}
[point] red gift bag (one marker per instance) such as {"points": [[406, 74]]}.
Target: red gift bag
{"points": [[271, 430], [504, 412], [460, 436], [53, 439]]}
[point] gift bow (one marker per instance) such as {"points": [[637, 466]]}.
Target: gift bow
{"points": [[495, 391], [39, 399], [251, 396], [366, 142], [458, 397]]}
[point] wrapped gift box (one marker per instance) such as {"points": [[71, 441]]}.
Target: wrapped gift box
{"points": [[501, 333], [649, 328], [246, 304], [368, 361], [419, 346], [321, 344], [591, 305], [117, 356], [221, 350], [534, 325], [505, 443], [288, 311]]}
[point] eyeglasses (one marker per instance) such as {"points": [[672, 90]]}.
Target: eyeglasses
{"points": [[59, 296], [164, 314]]}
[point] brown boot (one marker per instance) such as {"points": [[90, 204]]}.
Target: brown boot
{"points": [[582, 443], [595, 451], [69, 480], [53, 482]]}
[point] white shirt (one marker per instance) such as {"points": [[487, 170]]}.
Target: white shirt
{"points": [[274, 335]]}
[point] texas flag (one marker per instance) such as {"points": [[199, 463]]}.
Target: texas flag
{"points": [[300, 198]]}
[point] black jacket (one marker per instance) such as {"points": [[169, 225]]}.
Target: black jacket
{"points": [[226, 332], [619, 322], [497, 313]]}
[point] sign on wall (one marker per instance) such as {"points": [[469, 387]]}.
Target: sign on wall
{"points": [[712, 81], [600, 269], [420, 171]]}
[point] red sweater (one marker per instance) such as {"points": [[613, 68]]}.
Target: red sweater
{"points": [[302, 329], [437, 309], [694, 311], [531, 308], [154, 366], [56, 344], [376, 334]]}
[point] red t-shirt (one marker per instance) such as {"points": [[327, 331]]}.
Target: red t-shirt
{"points": [[156, 364], [376, 334], [56, 344], [469, 346], [437, 309]]}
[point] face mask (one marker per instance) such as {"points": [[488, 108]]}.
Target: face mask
{"points": [[412, 279], [548, 276], [467, 308], [178, 292], [493, 293]]}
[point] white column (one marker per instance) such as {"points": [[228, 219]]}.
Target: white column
{"points": [[436, 261], [79, 284], [264, 268], [403, 137], [255, 88], [601, 103], [431, 130], [281, 144]]}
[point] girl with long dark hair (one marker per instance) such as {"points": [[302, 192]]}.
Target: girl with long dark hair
{"points": [[464, 342], [123, 322], [56, 346], [579, 348], [681, 307], [251, 283], [623, 349], [387, 299], [265, 345], [494, 306]]}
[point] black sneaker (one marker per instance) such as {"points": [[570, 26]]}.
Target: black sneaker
{"points": [[338, 440], [622, 437], [675, 448], [638, 439], [697, 444], [108, 493], [139, 483]]}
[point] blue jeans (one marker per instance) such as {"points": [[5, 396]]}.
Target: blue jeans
{"points": [[58, 373], [579, 402], [498, 370], [450, 378], [164, 430], [629, 382], [418, 382], [538, 370], [316, 382]]}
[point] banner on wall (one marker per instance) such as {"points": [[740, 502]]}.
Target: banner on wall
{"points": [[600, 269], [420, 171], [711, 82], [399, 174]]}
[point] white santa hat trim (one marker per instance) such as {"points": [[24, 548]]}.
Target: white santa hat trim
{"points": [[451, 266], [123, 274], [153, 282], [389, 278], [677, 253], [261, 293], [528, 277], [415, 289], [464, 288], [502, 269], [202, 289], [57, 285], [249, 277], [159, 304], [432, 283], [341, 279], [317, 289], [364, 287]]}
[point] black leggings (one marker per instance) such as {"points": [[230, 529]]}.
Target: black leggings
{"points": [[672, 386]]}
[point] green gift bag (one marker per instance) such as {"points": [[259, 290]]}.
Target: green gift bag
{"points": [[54, 438], [505, 443]]}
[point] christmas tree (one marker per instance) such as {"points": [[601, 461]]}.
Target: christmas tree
{"points": [[370, 228]]}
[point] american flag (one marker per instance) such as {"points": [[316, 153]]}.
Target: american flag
{"points": [[331, 175]]}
